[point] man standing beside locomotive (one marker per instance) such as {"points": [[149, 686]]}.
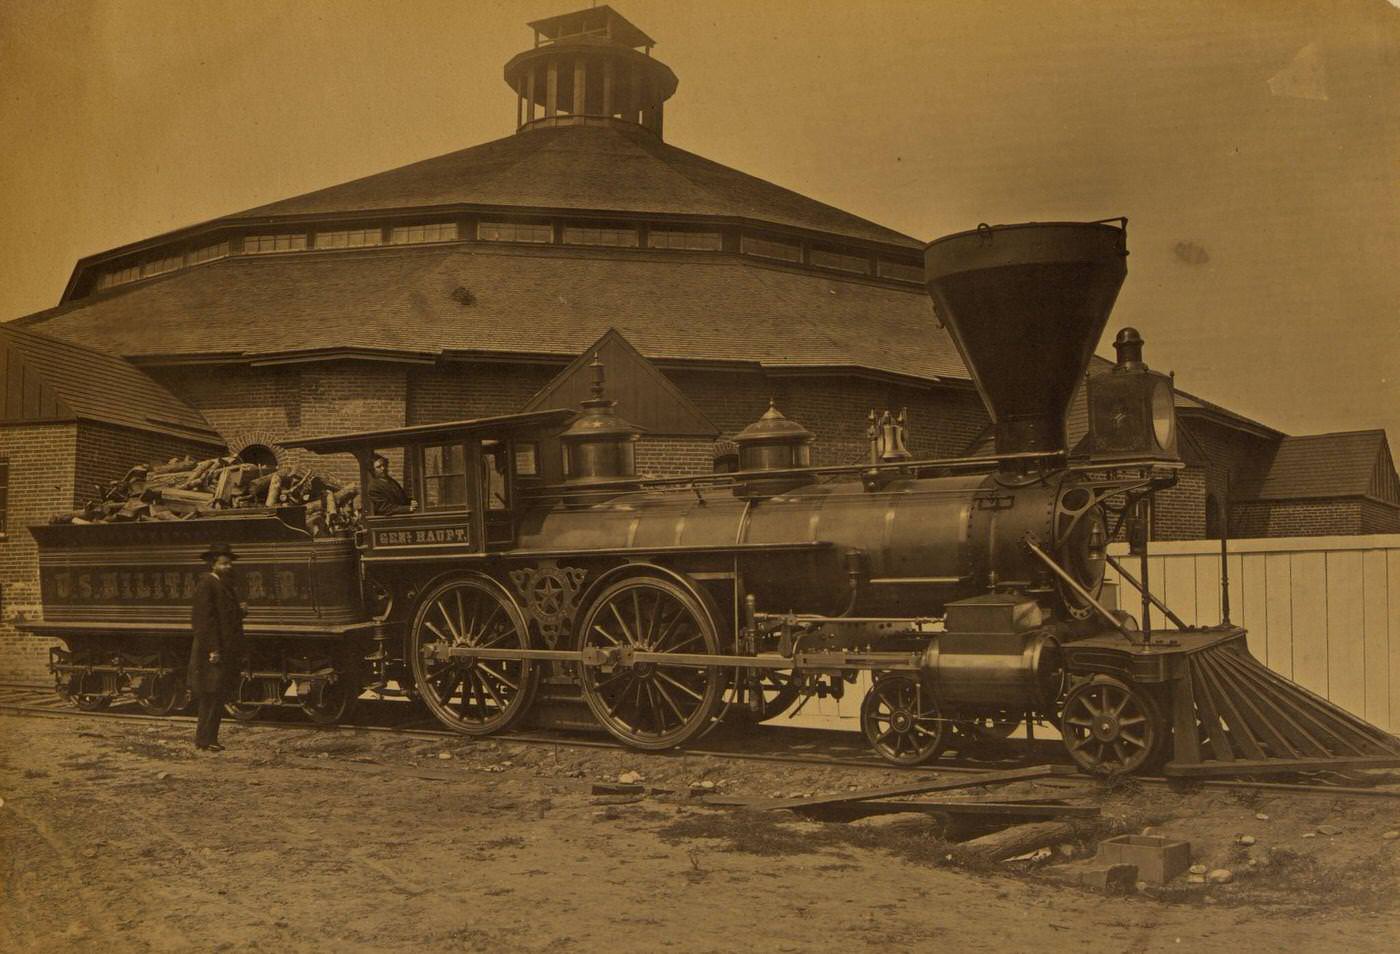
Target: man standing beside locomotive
{"points": [[218, 646]]}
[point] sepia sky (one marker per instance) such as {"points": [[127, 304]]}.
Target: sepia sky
{"points": [[1254, 146]]}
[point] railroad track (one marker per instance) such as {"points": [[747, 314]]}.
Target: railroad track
{"points": [[777, 744]]}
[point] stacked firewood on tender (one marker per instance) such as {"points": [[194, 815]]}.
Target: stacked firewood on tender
{"points": [[182, 488]]}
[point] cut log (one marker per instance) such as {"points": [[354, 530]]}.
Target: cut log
{"points": [[173, 494], [273, 489], [1017, 840], [174, 465], [201, 471], [221, 485]]}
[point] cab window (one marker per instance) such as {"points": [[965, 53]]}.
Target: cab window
{"points": [[444, 477], [493, 467]]}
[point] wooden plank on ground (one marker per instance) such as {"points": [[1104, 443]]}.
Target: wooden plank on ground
{"points": [[968, 807], [895, 791]]}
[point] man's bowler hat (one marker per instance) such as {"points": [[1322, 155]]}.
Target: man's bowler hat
{"points": [[218, 550]]}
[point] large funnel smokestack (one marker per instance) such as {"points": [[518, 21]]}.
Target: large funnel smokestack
{"points": [[1025, 305]]}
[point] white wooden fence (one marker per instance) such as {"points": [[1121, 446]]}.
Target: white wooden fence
{"points": [[1323, 611]]}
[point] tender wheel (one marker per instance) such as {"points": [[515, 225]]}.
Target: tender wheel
{"points": [[1110, 727], [470, 695], [243, 711], [87, 701], [330, 702], [91, 702], [161, 694], [651, 705], [901, 721]]}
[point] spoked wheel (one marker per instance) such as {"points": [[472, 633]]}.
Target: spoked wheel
{"points": [[1110, 727], [243, 711], [471, 695], [161, 694], [87, 701], [91, 701], [901, 721], [330, 702], [652, 705]]}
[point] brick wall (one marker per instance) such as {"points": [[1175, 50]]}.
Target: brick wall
{"points": [[1179, 513], [1298, 518], [675, 456], [54, 468], [460, 390], [41, 483], [273, 405], [106, 452], [942, 421], [1377, 517]]}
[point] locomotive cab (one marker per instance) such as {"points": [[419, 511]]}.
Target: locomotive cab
{"points": [[459, 485]]}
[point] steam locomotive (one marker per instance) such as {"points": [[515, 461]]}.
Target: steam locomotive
{"points": [[540, 567]]}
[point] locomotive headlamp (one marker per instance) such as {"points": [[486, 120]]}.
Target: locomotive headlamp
{"points": [[1132, 410]]}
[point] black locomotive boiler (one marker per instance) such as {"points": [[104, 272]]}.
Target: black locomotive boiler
{"points": [[539, 566]]}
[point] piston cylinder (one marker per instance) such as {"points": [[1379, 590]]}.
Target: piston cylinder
{"points": [[1016, 671]]}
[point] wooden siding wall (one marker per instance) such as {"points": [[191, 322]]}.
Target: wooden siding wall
{"points": [[1322, 611]]}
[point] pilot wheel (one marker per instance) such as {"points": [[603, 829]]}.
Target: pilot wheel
{"points": [[901, 720], [1111, 727]]}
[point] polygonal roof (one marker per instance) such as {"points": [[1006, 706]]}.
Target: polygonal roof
{"points": [[405, 300], [610, 168]]}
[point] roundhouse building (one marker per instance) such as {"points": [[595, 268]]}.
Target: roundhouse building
{"points": [[468, 284]]}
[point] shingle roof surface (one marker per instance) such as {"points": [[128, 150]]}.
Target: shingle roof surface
{"points": [[699, 306], [101, 387], [610, 168], [1323, 465]]}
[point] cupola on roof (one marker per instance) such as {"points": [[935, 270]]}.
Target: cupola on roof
{"points": [[586, 68]]}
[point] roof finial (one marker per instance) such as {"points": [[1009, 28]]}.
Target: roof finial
{"points": [[597, 386]]}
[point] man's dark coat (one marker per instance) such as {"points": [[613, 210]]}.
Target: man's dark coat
{"points": [[386, 495], [217, 620]]}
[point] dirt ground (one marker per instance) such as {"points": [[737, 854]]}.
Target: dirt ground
{"points": [[117, 836]]}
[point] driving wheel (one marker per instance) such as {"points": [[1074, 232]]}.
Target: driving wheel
{"points": [[470, 694], [655, 704]]}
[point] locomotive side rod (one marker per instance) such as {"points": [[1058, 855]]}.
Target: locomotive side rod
{"points": [[628, 656]]}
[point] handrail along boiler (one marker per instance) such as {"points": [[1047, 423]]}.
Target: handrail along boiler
{"points": [[538, 564]]}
